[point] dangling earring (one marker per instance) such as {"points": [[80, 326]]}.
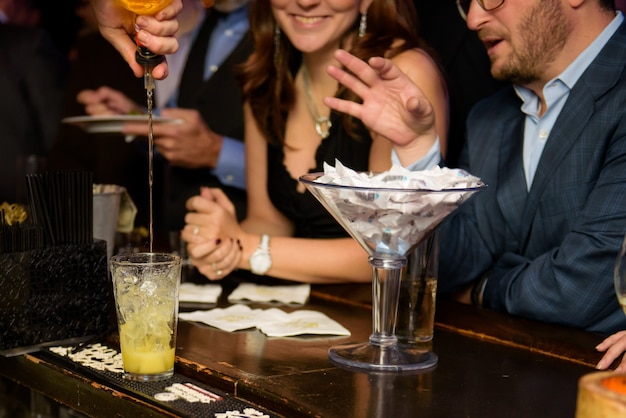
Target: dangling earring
{"points": [[276, 44], [363, 25]]}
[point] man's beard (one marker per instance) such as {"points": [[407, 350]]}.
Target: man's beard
{"points": [[544, 31]]}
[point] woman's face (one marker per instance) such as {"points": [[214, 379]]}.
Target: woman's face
{"points": [[316, 25]]}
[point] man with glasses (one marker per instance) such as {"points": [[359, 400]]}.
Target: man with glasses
{"points": [[541, 240]]}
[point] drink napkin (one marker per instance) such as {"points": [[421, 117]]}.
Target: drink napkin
{"points": [[262, 293], [201, 293], [272, 322]]}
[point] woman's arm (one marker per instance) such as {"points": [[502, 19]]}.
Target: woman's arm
{"points": [[212, 230], [304, 260]]}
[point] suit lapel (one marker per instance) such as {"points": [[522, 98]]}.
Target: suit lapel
{"points": [[512, 190], [602, 75], [193, 73]]}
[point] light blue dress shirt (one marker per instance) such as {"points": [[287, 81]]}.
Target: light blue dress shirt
{"points": [[231, 167], [537, 129], [228, 32]]}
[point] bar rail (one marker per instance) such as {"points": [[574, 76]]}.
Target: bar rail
{"points": [[490, 365]]}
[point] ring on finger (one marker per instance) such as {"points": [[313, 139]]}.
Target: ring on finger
{"points": [[218, 272]]}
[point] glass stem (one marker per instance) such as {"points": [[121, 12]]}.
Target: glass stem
{"points": [[385, 294]]}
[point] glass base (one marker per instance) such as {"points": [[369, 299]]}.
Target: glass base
{"points": [[153, 377], [367, 356]]}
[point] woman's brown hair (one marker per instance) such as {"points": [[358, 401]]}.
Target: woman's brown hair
{"points": [[267, 77]]}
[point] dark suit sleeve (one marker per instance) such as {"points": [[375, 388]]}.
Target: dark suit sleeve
{"points": [[549, 256]]}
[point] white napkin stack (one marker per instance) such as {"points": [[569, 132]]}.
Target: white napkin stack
{"points": [[261, 293], [199, 293], [272, 322]]}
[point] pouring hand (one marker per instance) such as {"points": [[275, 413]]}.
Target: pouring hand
{"points": [[154, 32]]}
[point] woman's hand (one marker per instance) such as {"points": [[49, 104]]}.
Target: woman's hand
{"points": [[613, 346], [393, 106], [154, 32], [212, 234]]}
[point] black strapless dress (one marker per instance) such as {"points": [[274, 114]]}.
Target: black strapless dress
{"points": [[310, 218]]}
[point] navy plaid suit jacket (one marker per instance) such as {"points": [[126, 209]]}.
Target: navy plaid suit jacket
{"points": [[549, 252]]}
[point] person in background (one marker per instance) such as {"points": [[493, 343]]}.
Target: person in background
{"points": [[94, 63], [32, 82], [206, 150], [289, 132], [541, 240], [98, 71]]}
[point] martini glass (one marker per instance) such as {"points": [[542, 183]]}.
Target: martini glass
{"points": [[388, 222]]}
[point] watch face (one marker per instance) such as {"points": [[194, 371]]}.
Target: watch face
{"points": [[260, 262]]}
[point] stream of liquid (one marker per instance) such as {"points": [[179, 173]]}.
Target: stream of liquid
{"points": [[149, 100]]}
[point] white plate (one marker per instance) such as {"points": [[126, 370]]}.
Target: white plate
{"points": [[112, 124]]}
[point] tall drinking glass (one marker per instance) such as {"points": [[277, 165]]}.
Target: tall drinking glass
{"points": [[146, 287]]}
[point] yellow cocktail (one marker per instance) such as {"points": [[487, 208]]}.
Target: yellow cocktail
{"points": [[146, 299], [147, 355]]}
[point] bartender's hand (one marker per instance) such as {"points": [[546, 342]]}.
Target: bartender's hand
{"points": [[106, 101], [190, 144], [613, 346], [154, 32], [393, 106], [212, 234]]}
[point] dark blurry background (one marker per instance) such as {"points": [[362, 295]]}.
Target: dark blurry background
{"points": [[61, 21]]}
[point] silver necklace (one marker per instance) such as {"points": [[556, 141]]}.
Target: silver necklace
{"points": [[322, 123]]}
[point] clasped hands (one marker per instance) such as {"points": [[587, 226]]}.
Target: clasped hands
{"points": [[212, 234]]}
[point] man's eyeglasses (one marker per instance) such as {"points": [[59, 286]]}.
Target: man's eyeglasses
{"points": [[487, 5]]}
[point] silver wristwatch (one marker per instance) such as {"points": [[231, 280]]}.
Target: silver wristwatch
{"points": [[261, 260]]}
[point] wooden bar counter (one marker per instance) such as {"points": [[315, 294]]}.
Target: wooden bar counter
{"points": [[490, 365]]}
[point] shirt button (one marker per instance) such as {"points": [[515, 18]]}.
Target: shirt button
{"points": [[230, 178], [228, 32], [543, 135], [213, 68]]}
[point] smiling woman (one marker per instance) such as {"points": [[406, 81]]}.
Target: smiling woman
{"points": [[291, 130]]}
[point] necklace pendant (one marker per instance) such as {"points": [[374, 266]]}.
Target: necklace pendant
{"points": [[322, 126]]}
